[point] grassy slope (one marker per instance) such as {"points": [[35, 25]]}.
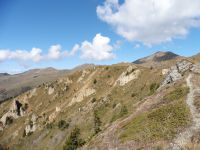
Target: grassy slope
{"points": [[162, 122]]}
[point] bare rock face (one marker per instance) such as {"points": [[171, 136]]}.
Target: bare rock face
{"points": [[177, 72], [32, 125], [130, 74]]}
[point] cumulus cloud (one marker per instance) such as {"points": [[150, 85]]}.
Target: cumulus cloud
{"points": [[99, 49], [151, 21], [34, 55], [55, 52]]}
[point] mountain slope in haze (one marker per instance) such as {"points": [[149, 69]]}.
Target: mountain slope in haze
{"points": [[4, 74], [122, 106], [13, 85], [158, 59]]}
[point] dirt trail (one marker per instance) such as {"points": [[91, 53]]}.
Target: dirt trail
{"points": [[185, 136]]}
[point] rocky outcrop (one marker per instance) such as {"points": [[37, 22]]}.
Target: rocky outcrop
{"points": [[84, 73], [51, 90], [130, 74], [195, 69], [177, 72], [32, 125], [165, 71], [81, 95], [17, 109]]}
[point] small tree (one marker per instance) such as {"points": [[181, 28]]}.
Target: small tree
{"points": [[74, 141], [97, 123]]}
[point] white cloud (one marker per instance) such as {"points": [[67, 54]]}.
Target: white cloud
{"points": [[74, 50], [151, 21], [55, 52], [34, 55], [99, 49]]}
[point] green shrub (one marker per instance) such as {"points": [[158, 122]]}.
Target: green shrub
{"points": [[9, 120], [62, 124], [133, 95], [95, 81], [74, 141], [49, 125], [93, 100], [153, 87], [97, 123]]}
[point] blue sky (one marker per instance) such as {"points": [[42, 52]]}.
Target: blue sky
{"points": [[41, 24]]}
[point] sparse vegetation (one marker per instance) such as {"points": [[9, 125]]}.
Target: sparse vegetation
{"points": [[122, 113], [74, 141], [62, 124]]}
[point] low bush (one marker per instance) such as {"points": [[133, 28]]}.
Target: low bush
{"points": [[74, 141], [62, 124]]}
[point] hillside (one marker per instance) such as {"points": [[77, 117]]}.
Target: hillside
{"points": [[122, 106], [13, 85]]}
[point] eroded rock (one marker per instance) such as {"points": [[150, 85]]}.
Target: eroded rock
{"points": [[51, 90], [81, 95], [177, 72], [130, 74], [16, 110], [32, 125], [84, 73]]}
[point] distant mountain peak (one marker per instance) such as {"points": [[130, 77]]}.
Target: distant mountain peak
{"points": [[157, 57]]}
